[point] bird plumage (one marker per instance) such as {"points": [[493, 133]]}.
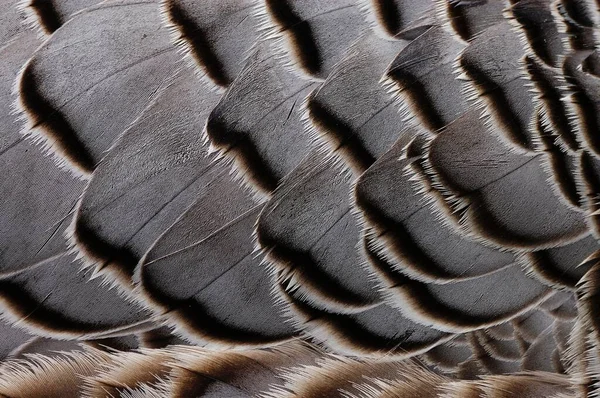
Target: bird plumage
{"points": [[294, 198]]}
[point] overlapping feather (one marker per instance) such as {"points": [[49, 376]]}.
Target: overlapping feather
{"points": [[414, 184]]}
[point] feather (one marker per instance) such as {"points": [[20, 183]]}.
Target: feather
{"points": [[159, 337], [285, 198], [507, 350], [35, 214], [584, 344], [52, 377], [301, 32], [201, 28], [503, 331], [45, 346], [313, 252], [589, 168], [490, 64], [582, 105], [49, 15], [448, 357], [124, 342], [235, 374], [563, 266], [357, 334], [441, 307], [11, 22], [556, 300], [572, 21], [474, 201], [534, 385], [224, 300], [152, 174], [460, 389], [146, 391], [540, 352], [469, 18], [561, 167], [591, 64], [80, 118], [339, 376], [551, 90], [399, 18], [351, 114], [425, 85], [536, 23], [533, 324], [426, 385], [257, 122], [291, 370], [410, 236], [36, 234], [12, 339], [127, 371], [489, 362], [583, 12], [55, 299]]}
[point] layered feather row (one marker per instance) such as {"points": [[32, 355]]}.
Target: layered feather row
{"points": [[323, 197]]}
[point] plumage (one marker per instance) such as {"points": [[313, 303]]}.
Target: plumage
{"points": [[213, 36], [156, 171], [80, 118], [349, 114], [286, 198], [426, 89], [261, 134], [308, 249]]}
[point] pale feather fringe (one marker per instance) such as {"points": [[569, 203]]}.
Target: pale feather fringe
{"points": [[278, 39]]}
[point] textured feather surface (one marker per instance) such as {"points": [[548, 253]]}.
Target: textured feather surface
{"points": [[48, 16], [316, 258], [35, 212], [214, 35], [297, 198], [155, 171], [78, 118], [225, 301], [351, 113], [256, 123]]}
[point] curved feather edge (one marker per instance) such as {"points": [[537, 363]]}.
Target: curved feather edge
{"points": [[44, 17], [453, 15], [329, 110], [296, 268], [421, 383], [392, 239], [52, 377], [388, 20], [127, 371], [24, 310], [335, 375], [550, 50], [234, 129], [196, 48], [342, 334], [458, 210], [407, 80], [293, 38], [190, 318], [551, 88], [492, 98], [196, 372], [48, 124], [177, 155], [414, 300]]}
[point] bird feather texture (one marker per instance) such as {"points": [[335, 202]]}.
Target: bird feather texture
{"points": [[286, 198]]}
